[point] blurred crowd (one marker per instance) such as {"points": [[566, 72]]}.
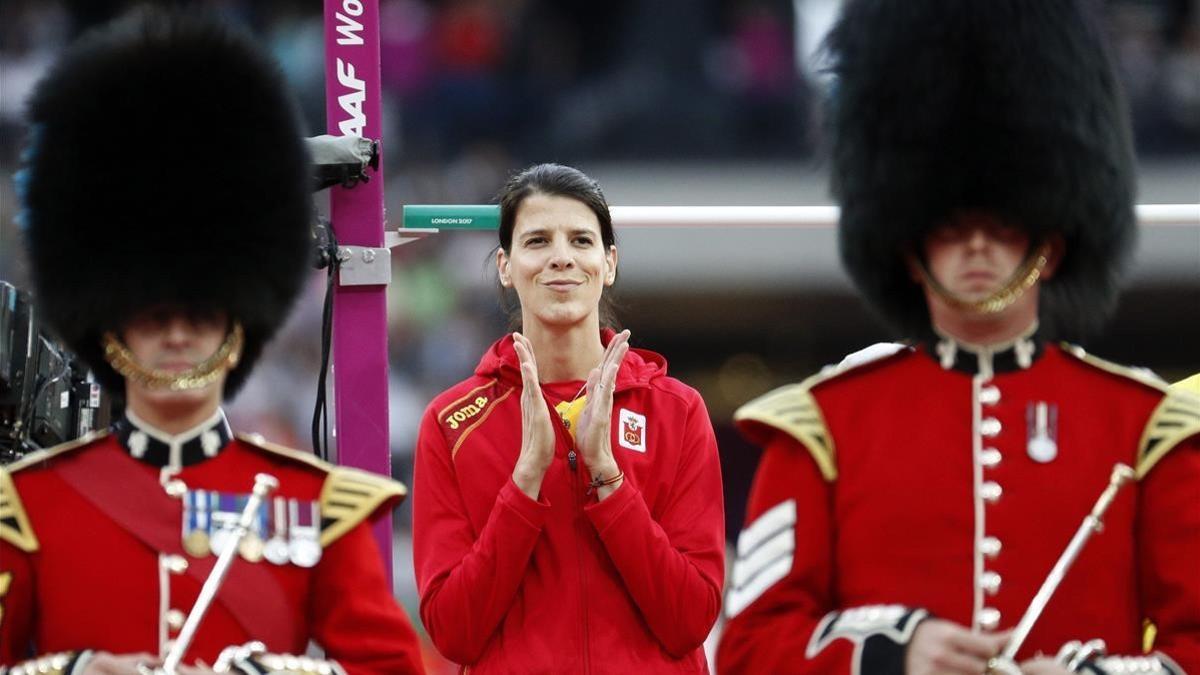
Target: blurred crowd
{"points": [[475, 89]]}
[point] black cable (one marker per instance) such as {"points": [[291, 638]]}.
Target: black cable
{"points": [[326, 257]]}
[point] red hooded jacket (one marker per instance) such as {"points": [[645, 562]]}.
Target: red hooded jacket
{"points": [[566, 583]]}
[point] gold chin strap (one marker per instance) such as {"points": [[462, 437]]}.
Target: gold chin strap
{"points": [[210, 370], [1002, 298]]}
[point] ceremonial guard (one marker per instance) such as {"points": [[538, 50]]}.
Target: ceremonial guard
{"points": [[910, 504], [166, 203]]}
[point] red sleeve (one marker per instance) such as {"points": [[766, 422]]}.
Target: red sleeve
{"points": [[674, 566], [780, 608], [353, 614], [467, 581], [16, 604], [1169, 553], [782, 577]]}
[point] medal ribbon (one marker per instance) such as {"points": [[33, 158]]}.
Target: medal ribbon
{"points": [[129, 494]]}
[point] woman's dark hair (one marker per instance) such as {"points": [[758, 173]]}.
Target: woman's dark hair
{"points": [[558, 181]]}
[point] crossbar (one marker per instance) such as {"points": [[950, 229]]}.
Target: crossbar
{"points": [[487, 217]]}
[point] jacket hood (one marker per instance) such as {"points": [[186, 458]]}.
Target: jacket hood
{"points": [[639, 368]]}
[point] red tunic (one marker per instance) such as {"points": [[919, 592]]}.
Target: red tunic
{"points": [[91, 558], [900, 487]]}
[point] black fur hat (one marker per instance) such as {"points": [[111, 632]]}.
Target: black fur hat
{"points": [[1010, 106], [166, 166]]}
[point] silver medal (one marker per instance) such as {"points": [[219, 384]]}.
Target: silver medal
{"points": [[1042, 426], [304, 547], [223, 525], [276, 548]]}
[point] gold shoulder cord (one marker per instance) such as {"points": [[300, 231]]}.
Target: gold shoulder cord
{"points": [[224, 359], [1022, 280]]}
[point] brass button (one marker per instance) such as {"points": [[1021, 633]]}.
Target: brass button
{"points": [[176, 488], [990, 546], [175, 619], [989, 618], [990, 458], [989, 395], [177, 564], [991, 491], [990, 427], [990, 581]]}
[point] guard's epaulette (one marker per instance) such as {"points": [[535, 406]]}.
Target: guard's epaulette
{"points": [[14, 522], [348, 495], [793, 410], [1176, 418], [1190, 385]]}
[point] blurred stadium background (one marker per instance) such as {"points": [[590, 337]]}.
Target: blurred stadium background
{"points": [[665, 102]]}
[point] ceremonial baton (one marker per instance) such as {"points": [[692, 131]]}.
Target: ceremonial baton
{"points": [[1005, 662], [264, 484]]}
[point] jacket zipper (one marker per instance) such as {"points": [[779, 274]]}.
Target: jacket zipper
{"points": [[573, 465]]}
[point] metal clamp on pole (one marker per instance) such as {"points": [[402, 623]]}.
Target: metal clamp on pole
{"points": [[368, 266], [364, 266]]}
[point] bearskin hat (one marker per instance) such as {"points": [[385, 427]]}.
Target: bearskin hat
{"points": [[1009, 106], [166, 166]]}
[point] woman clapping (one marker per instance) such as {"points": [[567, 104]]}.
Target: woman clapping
{"points": [[567, 497]]}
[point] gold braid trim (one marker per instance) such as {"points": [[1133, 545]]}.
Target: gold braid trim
{"points": [[210, 370], [1021, 280], [1176, 419], [350, 496], [287, 664], [253, 658], [14, 523], [1190, 385], [5, 582], [793, 410], [50, 664]]}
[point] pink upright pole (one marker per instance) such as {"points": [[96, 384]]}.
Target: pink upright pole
{"points": [[352, 75]]}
